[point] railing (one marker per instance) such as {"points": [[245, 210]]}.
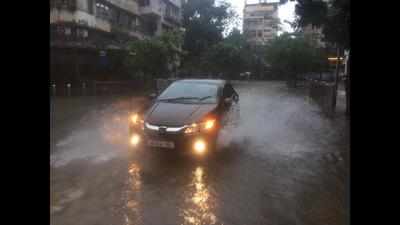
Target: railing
{"points": [[323, 94], [172, 18], [99, 88], [153, 8], [70, 5]]}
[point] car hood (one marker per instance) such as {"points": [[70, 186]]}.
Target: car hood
{"points": [[175, 114]]}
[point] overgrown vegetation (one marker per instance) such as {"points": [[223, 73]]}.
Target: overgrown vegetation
{"points": [[202, 47], [292, 57], [156, 57], [334, 19], [204, 22]]}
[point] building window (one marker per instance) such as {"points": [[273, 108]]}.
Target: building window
{"points": [[114, 16], [134, 23], [103, 11], [176, 10], [90, 6], [67, 31], [63, 4], [83, 33], [128, 22], [123, 19], [171, 12], [144, 3], [60, 30], [251, 34]]}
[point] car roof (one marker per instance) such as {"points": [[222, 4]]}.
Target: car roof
{"points": [[206, 81]]}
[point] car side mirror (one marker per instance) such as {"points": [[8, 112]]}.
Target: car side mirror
{"points": [[152, 96], [236, 98]]}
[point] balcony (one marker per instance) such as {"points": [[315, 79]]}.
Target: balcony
{"points": [[131, 32], [130, 6], [172, 19], [150, 8]]}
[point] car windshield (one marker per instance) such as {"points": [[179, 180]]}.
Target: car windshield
{"points": [[190, 92]]}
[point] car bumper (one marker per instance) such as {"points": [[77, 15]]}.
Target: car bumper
{"points": [[182, 142]]}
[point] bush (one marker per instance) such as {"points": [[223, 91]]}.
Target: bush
{"points": [[293, 57]]}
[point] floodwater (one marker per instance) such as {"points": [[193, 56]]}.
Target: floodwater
{"points": [[284, 163]]}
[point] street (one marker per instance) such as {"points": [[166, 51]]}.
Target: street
{"points": [[285, 164]]}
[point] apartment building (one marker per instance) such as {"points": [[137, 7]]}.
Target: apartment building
{"points": [[84, 32], [313, 35], [260, 22]]}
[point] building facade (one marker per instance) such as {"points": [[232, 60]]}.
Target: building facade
{"points": [[260, 22], [85, 35], [313, 35]]}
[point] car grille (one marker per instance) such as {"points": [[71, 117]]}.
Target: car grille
{"points": [[164, 133]]}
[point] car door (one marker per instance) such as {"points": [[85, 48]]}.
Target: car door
{"points": [[230, 101]]}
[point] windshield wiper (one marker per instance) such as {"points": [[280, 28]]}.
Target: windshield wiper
{"points": [[204, 98], [186, 98], [177, 99]]}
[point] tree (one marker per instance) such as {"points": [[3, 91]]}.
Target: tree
{"points": [[204, 22], [224, 58], [231, 56], [235, 37], [172, 42], [155, 56], [311, 12], [148, 57], [291, 56], [334, 18]]}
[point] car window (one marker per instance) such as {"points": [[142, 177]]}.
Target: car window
{"points": [[228, 91], [193, 92]]}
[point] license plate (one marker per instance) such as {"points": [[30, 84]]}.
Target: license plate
{"points": [[160, 144]]}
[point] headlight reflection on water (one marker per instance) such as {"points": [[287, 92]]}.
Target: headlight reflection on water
{"points": [[135, 139], [200, 202], [132, 203], [199, 146]]}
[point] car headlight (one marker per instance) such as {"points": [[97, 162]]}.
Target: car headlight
{"points": [[207, 125], [193, 128], [136, 119]]}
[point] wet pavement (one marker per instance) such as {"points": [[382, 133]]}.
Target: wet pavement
{"points": [[284, 164]]}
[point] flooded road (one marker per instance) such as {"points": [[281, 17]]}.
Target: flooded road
{"points": [[284, 164]]}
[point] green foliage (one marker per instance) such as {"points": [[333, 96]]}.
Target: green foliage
{"points": [[230, 57], [154, 56], [291, 56], [225, 58], [204, 22], [337, 26], [311, 12], [148, 57], [235, 37], [334, 19]]}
